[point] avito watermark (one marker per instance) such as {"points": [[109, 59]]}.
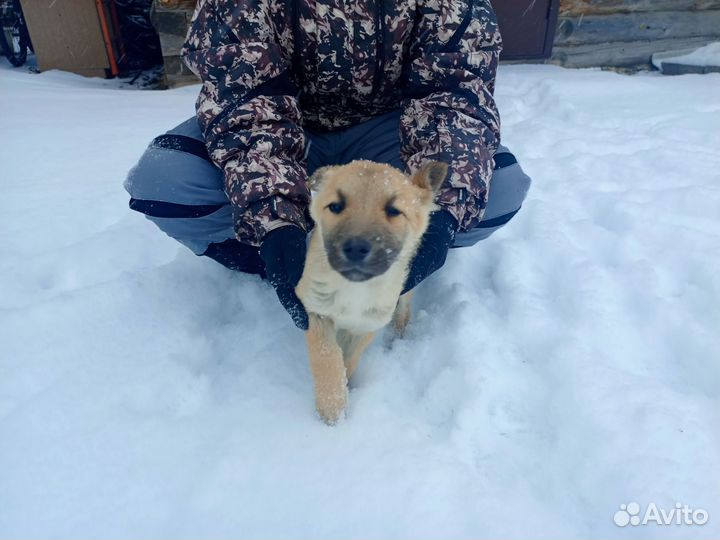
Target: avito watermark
{"points": [[680, 514]]}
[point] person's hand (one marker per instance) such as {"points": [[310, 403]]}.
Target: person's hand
{"points": [[431, 254], [283, 251]]}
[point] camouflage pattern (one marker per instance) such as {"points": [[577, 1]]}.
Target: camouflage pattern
{"points": [[272, 67]]}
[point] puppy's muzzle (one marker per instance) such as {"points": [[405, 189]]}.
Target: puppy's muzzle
{"points": [[359, 259]]}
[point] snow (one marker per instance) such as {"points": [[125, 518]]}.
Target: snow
{"points": [[565, 366], [709, 55]]}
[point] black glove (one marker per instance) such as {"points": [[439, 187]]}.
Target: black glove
{"points": [[431, 254], [283, 251]]}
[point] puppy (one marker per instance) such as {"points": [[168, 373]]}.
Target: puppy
{"points": [[369, 220]]}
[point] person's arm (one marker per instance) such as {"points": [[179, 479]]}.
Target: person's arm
{"points": [[251, 121], [449, 113], [249, 114]]}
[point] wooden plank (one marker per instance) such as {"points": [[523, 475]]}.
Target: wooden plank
{"points": [[171, 22], [637, 27], [620, 54], [175, 4], [171, 44], [606, 7], [66, 35], [669, 68], [171, 19]]}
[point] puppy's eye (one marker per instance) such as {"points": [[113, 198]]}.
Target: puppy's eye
{"points": [[336, 207], [391, 211]]}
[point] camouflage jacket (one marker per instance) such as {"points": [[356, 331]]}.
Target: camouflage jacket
{"points": [[270, 67]]}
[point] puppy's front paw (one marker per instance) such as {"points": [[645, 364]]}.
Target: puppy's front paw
{"points": [[331, 407], [401, 317]]}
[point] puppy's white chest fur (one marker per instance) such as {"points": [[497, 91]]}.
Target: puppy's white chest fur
{"points": [[355, 306]]}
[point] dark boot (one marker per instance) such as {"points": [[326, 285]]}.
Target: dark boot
{"points": [[237, 256]]}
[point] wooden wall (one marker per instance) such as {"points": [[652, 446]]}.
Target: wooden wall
{"points": [[625, 33], [590, 33]]}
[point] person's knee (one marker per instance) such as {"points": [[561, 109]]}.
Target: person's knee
{"points": [[509, 187], [509, 184], [175, 185], [176, 168], [523, 183], [145, 180]]}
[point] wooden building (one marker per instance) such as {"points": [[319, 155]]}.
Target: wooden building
{"points": [[574, 33], [625, 33]]}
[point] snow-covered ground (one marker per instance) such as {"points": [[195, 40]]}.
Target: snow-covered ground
{"points": [[566, 366]]}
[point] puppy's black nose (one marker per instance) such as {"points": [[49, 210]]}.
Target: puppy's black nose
{"points": [[356, 249]]}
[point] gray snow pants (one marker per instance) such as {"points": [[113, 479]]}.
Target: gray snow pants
{"points": [[180, 190]]}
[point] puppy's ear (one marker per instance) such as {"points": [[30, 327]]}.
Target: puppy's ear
{"points": [[318, 177], [431, 175]]}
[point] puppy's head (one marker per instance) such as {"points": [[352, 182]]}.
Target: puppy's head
{"points": [[369, 214]]}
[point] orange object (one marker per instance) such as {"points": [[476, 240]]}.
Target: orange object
{"points": [[107, 38], [118, 34]]}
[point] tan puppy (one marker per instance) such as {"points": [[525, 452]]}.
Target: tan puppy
{"points": [[369, 219]]}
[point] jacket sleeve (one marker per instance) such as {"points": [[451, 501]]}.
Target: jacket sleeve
{"points": [[249, 114], [449, 113]]}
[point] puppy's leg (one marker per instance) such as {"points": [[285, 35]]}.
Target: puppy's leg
{"points": [[401, 317], [353, 345], [328, 369]]}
